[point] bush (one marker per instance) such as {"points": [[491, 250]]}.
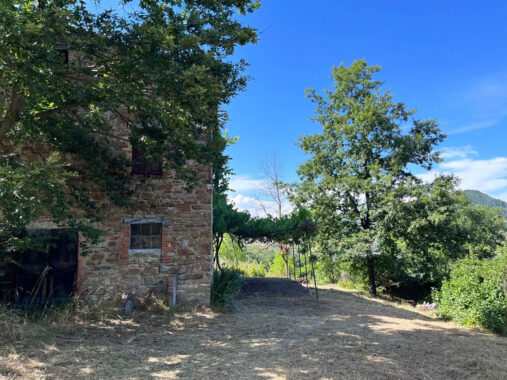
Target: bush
{"points": [[327, 270], [352, 285], [475, 294], [226, 285], [252, 269], [277, 267]]}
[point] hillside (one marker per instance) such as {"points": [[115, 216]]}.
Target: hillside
{"points": [[479, 198]]}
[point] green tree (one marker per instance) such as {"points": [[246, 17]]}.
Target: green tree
{"points": [[227, 220], [164, 70], [429, 228], [30, 191], [359, 161]]}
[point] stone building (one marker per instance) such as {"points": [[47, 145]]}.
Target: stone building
{"points": [[165, 235]]}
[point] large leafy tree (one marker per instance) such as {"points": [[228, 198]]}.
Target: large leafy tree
{"points": [[165, 70], [360, 161], [430, 227]]}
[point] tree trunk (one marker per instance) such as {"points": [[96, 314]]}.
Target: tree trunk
{"points": [[285, 257], [218, 263], [371, 275], [218, 243], [286, 262]]}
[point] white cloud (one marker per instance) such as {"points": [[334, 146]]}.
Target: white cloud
{"points": [[489, 176], [484, 175], [457, 152], [245, 183], [246, 203], [253, 206], [473, 126]]}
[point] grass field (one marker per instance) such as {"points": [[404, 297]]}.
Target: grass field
{"points": [[273, 336]]}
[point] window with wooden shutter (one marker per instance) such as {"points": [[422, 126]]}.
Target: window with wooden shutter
{"points": [[61, 47], [141, 164]]}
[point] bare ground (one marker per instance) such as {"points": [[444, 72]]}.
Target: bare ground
{"points": [[275, 334]]}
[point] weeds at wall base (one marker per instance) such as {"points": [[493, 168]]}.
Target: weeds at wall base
{"points": [[18, 325]]}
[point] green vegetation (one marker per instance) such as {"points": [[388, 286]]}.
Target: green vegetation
{"points": [[165, 72], [475, 295], [232, 229], [481, 199], [240, 257], [381, 226], [357, 168], [278, 268], [226, 285], [252, 269]]}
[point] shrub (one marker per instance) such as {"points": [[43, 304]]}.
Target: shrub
{"points": [[327, 270], [352, 285], [475, 294], [277, 267], [252, 269], [226, 285]]}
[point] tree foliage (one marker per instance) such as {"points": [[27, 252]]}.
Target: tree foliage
{"points": [[29, 191], [360, 160], [433, 226], [227, 220], [164, 70], [242, 228], [476, 293]]}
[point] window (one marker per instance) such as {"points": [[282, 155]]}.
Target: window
{"points": [[61, 47], [146, 236], [141, 165]]}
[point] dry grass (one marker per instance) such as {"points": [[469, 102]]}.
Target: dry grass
{"points": [[346, 336]]}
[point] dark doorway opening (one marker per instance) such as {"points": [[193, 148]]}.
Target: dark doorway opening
{"points": [[41, 277]]}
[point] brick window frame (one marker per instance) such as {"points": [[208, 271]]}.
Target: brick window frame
{"points": [[126, 247]]}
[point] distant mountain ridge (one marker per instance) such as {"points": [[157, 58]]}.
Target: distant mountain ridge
{"points": [[479, 198]]}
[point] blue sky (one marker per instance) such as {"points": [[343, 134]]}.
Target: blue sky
{"points": [[447, 58]]}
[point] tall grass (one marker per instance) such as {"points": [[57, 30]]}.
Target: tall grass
{"points": [[18, 324], [226, 285], [252, 269]]}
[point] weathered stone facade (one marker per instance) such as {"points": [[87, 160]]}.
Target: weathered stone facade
{"points": [[111, 267]]}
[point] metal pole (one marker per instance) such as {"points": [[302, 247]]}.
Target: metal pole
{"points": [[299, 259], [175, 287], [306, 274], [293, 260], [313, 271]]}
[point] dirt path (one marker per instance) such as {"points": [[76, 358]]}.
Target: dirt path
{"points": [[270, 286], [274, 335]]}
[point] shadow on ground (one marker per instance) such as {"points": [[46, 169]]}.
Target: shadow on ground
{"points": [[274, 334]]}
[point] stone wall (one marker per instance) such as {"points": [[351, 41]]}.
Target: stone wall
{"points": [[111, 267]]}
